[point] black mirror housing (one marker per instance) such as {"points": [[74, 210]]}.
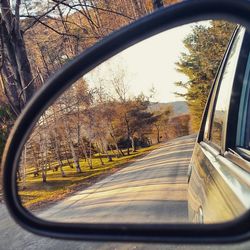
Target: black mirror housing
{"points": [[163, 19]]}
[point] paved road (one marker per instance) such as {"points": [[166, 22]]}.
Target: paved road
{"points": [[14, 237], [153, 189]]}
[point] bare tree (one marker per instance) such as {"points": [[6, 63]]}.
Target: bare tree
{"points": [[16, 75]]}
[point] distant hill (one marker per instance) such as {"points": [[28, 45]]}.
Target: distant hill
{"points": [[179, 108]]}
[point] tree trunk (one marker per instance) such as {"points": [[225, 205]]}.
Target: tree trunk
{"points": [[24, 168], [158, 134], [90, 154], [59, 159], [128, 134], [85, 154], [36, 172], [119, 152], [133, 144], [81, 152], [16, 53], [44, 173], [106, 152], [99, 152], [75, 158], [66, 156], [56, 144], [43, 159]]}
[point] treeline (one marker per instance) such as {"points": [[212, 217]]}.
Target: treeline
{"points": [[86, 123], [206, 46], [38, 37]]}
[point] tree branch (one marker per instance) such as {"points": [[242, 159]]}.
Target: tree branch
{"points": [[17, 14], [97, 8], [56, 31], [41, 16]]}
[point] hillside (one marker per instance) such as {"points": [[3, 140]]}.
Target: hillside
{"points": [[179, 107]]}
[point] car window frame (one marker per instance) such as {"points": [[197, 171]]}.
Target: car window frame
{"points": [[204, 134], [229, 150], [233, 152], [234, 106], [214, 94], [244, 111]]}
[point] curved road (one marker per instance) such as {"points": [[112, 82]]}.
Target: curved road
{"points": [[153, 189]]}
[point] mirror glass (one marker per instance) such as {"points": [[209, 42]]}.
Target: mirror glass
{"points": [[116, 146]]}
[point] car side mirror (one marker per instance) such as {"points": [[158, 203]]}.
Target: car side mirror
{"points": [[35, 125]]}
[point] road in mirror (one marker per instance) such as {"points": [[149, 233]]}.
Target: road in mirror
{"points": [[116, 146]]}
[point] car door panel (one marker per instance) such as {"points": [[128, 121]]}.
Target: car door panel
{"points": [[211, 187]]}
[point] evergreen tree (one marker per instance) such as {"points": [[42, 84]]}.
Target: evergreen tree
{"points": [[206, 46]]}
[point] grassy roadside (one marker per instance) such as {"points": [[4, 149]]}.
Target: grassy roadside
{"points": [[38, 195]]}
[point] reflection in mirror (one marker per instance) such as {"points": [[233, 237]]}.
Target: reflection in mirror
{"points": [[116, 146]]}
